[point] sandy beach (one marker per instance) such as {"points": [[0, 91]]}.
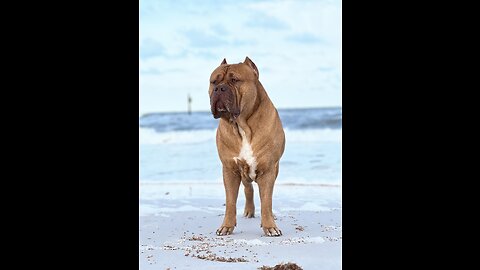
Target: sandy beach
{"points": [[182, 196], [178, 223]]}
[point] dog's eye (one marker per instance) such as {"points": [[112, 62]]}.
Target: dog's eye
{"points": [[234, 80], [214, 82]]}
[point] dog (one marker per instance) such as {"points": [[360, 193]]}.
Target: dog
{"points": [[250, 141]]}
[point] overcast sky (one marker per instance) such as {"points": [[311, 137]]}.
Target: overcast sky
{"points": [[296, 46]]}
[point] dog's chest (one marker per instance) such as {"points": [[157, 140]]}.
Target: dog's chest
{"points": [[246, 155]]}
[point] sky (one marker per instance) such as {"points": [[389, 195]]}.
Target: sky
{"points": [[296, 46]]}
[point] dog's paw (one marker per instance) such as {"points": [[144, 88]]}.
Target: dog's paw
{"points": [[249, 212], [272, 231], [224, 230]]}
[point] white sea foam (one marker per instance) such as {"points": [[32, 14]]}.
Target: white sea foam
{"points": [[183, 208], [313, 135], [308, 207], [305, 240], [152, 210], [311, 197], [253, 242], [150, 136], [317, 239]]}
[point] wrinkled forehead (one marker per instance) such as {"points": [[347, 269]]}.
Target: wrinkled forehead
{"points": [[236, 70]]}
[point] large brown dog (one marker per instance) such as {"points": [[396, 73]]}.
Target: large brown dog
{"points": [[250, 140]]}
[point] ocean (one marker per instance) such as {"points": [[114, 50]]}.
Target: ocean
{"points": [[180, 147]]}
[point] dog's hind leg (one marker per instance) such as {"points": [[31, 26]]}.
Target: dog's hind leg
{"points": [[249, 204]]}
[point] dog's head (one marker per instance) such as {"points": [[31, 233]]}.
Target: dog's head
{"points": [[232, 87]]}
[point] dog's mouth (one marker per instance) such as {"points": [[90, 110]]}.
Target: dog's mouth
{"points": [[222, 107], [219, 109]]}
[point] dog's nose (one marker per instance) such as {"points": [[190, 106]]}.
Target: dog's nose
{"points": [[222, 88]]}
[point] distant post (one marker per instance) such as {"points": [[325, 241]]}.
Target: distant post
{"points": [[189, 104]]}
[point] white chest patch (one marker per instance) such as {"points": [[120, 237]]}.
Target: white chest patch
{"points": [[246, 153]]}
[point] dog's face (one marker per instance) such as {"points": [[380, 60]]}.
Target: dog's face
{"points": [[229, 84]]}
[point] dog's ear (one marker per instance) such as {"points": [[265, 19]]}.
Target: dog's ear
{"points": [[252, 65], [224, 62]]}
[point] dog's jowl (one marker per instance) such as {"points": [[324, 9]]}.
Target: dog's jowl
{"points": [[250, 141]]}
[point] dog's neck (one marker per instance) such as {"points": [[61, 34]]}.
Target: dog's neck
{"points": [[241, 122]]}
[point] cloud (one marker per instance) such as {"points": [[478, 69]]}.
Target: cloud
{"points": [[203, 39], [325, 69], [243, 42], [261, 20], [219, 29], [149, 71], [286, 39], [150, 48], [155, 71], [208, 55], [206, 39], [304, 38]]}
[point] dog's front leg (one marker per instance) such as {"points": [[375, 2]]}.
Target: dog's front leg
{"points": [[231, 181], [265, 185]]}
